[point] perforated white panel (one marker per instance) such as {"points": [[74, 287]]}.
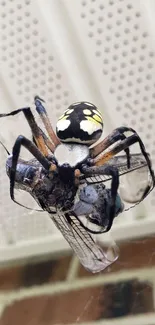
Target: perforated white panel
{"points": [[99, 51]]}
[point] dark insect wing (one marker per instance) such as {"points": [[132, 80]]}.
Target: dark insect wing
{"points": [[92, 257], [138, 174]]}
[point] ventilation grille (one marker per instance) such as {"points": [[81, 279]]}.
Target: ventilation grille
{"points": [[99, 51]]}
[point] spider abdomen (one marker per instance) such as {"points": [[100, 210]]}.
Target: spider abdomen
{"points": [[81, 123]]}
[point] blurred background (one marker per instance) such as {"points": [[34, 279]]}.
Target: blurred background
{"points": [[67, 51]]}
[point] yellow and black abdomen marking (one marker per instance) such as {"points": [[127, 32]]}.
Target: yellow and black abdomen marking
{"points": [[80, 123]]}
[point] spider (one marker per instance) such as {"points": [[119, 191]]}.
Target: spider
{"points": [[68, 173]]}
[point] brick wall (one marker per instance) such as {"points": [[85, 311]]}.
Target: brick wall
{"points": [[39, 293]]}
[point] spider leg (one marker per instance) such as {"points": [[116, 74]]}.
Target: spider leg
{"points": [[105, 157], [114, 136], [7, 151], [113, 172], [45, 119], [36, 131], [48, 143], [30, 146]]}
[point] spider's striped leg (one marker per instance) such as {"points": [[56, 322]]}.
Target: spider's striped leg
{"points": [[36, 131], [43, 114], [113, 172], [48, 143], [38, 134], [22, 141], [105, 157], [116, 135]]}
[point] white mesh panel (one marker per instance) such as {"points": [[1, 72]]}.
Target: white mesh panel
{"points": [[99, 51]]}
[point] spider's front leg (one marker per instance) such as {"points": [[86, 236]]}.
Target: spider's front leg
{"points": [[39, 137], [30, 146], [45, 119]]}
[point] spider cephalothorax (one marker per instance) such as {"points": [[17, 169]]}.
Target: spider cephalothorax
{"points": [[81, 123], [67, 177]]}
